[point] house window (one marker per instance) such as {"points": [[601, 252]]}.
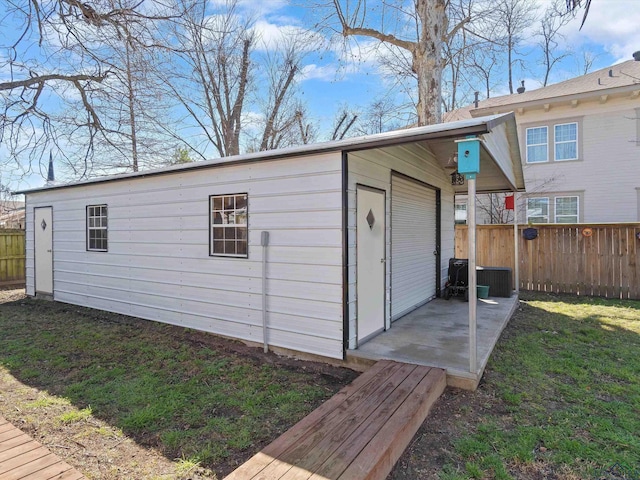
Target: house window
{"points": [[97, 228], [537, 144], [566, 141], [460, 214], [229, 221], [566, 209], [537, 210]]}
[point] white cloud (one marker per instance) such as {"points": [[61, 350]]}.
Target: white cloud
{"points": [[312, 71], [253, 7], [271, 36], [612, 25]]}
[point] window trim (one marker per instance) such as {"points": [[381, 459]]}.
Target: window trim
{"points": [[211, 226], [556, 142], [537, 198], [88, 228], [551, 138], [526, 141], [555, 208]]}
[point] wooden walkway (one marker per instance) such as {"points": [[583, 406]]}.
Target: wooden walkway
{"points": [[358, 434], [22, 458]]}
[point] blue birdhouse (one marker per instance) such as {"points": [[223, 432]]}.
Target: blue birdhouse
{"points": [[469, 157]]}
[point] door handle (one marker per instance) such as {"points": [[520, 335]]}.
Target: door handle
{"points": [[49, 250], [382, 260]]}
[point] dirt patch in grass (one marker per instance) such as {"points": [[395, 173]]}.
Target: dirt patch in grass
{"points": [[119, 397]]}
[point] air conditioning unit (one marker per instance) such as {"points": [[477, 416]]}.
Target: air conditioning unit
{"points": [[498, 279]]}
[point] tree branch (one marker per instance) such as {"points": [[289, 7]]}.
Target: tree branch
{"points": [[42, 79]]}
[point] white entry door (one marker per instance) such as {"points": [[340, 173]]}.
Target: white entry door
{"points": [[370, 276], [43, 239]]}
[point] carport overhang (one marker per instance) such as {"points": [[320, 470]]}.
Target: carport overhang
{"points": [[500, 160], [500, 170]]}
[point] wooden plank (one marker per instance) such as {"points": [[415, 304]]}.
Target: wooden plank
{"points": [[14, 442], [6, 427], [336, 425], [52, 471], [357, 419], [349, 450], [394, 438], [22, 459], [71, 474], [378, 417], [12, 452], [9, 434], [259, 461], [32, 467]]}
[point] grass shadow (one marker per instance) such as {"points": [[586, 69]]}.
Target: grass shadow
{"points": [[188, 393]]}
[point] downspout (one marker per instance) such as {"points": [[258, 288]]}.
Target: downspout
{"points": [[345, 254]]}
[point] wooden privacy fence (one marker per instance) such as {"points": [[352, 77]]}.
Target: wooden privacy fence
{"points": [[599, 259], [12, 257]]}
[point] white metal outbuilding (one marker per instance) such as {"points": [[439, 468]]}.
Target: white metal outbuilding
{"points": [[359, 233]]}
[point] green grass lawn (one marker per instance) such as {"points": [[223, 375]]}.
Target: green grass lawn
{"points": [[566, 381], [189, 394]]}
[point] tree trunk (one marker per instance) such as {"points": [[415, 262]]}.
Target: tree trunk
{"points": [[427, 60]]}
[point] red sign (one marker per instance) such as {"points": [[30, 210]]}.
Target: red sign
{"points": [[509, 203]]}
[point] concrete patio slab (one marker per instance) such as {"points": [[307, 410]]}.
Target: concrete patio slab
{"points": [[437, 335]]}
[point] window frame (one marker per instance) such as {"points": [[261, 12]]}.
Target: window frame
{"points": [[527, 208], [555, 208], [89, 228], [236, 226], [527, 145], [556, 142]]}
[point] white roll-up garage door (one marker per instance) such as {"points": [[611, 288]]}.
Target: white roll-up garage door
{"points": [[413, 242]]}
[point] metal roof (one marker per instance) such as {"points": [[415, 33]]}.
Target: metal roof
{"points": [[450, 130]]}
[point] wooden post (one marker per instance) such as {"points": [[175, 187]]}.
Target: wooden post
{"points": [[516, 256], [473, 293]]}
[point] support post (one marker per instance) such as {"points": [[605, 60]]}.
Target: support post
{"points": [[516, 251], [473, 291], [469, 165]]}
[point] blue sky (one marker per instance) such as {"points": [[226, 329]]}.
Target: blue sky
{"points": [[332, 79]]}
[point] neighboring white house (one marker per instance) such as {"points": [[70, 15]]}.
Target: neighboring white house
{"points": [[360, 233], [580, 143]]}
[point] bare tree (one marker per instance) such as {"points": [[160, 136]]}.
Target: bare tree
{"points": [[513, 17], [53, 57], [279, 71], [215, 53], [575, 5], [550, 24], [419, 30]]}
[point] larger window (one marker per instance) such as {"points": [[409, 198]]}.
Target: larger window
{"points": [[97, 233], [537, 144], [567, 210], [229, 222], [558, 143], [566, 141], [538, 210], [558, 209]]}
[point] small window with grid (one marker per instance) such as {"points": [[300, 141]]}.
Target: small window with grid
{"points": [[97, 233], [229, 223]]}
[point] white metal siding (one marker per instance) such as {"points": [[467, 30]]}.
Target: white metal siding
{"points": [[158, 265], [413, 242], [373, 168]]}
